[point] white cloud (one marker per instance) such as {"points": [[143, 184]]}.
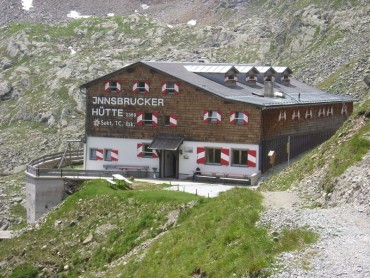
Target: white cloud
{"points": [[75, 14], [27, 4]]}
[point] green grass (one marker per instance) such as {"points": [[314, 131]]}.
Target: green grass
{"points": [[216, 236]]}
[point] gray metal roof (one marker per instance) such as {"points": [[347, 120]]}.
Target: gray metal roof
{"points": [[297, 93], [166, 143], [209, 77]]}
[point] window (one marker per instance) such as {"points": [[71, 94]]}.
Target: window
{"points": [[308, 114], [147, 119], [330, 111], [170, 88], [296, 115], [321, 112], [239, 157], [140, 87], [146, 151], [212, 116], [93, 154], [170, 120], [112, 86], [282, 116], [213, 156], [241, 118], [110, 155]]}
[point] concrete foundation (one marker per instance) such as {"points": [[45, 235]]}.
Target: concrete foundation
{"points": [[42, 194]]}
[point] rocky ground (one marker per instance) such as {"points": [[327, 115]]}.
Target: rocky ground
{"points": [[343, 248], [342, 220]]}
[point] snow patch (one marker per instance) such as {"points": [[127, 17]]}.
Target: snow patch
{"points": [[27, 4], [110, 14], [144, 6], [75, 14], [73, 52], [192, 22]]}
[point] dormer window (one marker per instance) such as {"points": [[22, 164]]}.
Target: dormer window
{"points": [[230, 77], [251, 78], [285, 79]]}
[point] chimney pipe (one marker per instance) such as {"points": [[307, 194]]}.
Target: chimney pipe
{"points": [[269, 88]]}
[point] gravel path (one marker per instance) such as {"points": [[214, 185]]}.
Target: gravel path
{"points": [[343, 249]]}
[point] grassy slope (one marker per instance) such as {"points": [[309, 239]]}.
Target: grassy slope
{"points": [[217, 236]]}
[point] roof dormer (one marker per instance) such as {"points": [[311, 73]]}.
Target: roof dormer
{"points": [[282, 75], [231, 76], [250, 73], [266, 73]]}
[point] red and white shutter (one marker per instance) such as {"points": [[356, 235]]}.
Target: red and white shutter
{"points": [[114, 155], [201, 155], [344, 111], [119, 86], [173, 120], [99, 154], [139, 150], [232, 118], [164, 87], [245, 118], [218, 115], [154, 154], [107, 87], [225, 157], [330, 111], [139, 118], [205, 116], [147, 84], [252, 158], [177, 88], [135, 90], [155, 119]]}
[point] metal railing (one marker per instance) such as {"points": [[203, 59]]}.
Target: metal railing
{"points": [[38, 167]]}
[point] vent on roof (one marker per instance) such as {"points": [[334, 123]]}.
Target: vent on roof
{"points": [[279, 94]]}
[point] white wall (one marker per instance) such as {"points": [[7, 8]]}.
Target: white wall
{"points": [[187, 166], [127, 153]]}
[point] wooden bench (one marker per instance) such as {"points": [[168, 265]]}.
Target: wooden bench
{"points": [[208, 176], [139, 169], [111, 182], [121, 178], [236, 178]]}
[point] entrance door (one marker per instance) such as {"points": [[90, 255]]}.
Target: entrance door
{"points": [[170, 164]]}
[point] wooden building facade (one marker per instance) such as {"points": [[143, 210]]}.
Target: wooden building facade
{"points": [[166, 119]]}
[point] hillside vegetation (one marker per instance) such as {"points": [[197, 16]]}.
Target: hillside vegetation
{"points": [[107, 232]]}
